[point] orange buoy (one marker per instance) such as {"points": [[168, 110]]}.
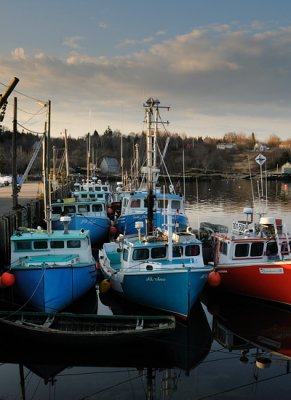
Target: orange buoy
{"points": [[7, 279], [214, 279]]}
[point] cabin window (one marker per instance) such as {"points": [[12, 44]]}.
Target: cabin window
{"points": [[257, 249], [125, 202], [40, 244], [100, 196], [83, 196], [104, 188], [159, 252], [223, 248], [23, 245], [193, 250], [272, 249], [90, 189], [140, 254], [57, 244], [176, 204], [242, 250], [73, 244], [57, 210], [125, 255], [92, 195], [163, 203], [177, 251], [135, 203], [69, 209], [97, 207], [97, 188], [83, 208]]}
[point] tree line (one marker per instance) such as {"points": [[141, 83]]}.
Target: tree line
{"points": [[183, 152]]}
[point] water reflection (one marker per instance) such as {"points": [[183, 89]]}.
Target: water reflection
{"points": [[150, 365], [259, 331], [223, 201]]}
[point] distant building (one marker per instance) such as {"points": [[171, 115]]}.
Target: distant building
{"points": [[109, 166], [226, 146], [261, 147], [286, 168]]}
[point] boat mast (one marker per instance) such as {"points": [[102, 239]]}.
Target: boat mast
{"points": [[88, 159], [152, 120], [151, 107]]}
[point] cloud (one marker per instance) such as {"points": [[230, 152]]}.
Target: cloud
{"points": [[103, 25], [136, 42], [228, 74], [72, 42], [18, 54]]}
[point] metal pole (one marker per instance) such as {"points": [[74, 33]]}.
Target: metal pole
{"points": [[48, 146], [14, 167]]}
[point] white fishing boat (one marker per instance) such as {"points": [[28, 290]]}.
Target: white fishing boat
{"points": [[161, 269]]}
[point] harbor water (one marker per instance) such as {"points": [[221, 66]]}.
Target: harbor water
{"points": [[231, 347]]}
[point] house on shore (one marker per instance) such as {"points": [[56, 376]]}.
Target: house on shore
{"points": [[109, 166]]}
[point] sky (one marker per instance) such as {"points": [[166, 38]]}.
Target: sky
{"points": [[220, 65]]}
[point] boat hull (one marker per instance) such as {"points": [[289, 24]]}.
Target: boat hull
{"points": [[126, 223], [174, 292], [98, 227], [270, 281], [69, 329], [52, 289]]}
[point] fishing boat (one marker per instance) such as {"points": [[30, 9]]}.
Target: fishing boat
{"points": [[158, 361], [52, 268], [87, 207], [70, 329], [91, 189], [161, 269], [134, 207], [85, 214], [134, 198], [253, 258]]}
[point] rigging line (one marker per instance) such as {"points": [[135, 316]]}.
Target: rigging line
{"points": [[242, 386], [63, 375], [29, 130], [41, 111], [26, 95], [109, 387], [38, 112]]}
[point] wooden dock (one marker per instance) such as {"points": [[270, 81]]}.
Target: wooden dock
{"points": [[29, 191]]}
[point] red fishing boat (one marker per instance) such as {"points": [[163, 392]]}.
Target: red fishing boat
{"points": [[254, 258]]}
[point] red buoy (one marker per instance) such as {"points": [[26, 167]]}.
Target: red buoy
{"points": [[7, 279], [214, 279], [112, 230], [110, 210]]}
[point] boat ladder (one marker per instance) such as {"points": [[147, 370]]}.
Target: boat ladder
{"points": [[283, 242]]}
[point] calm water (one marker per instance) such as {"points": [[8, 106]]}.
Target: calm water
{"points": [[231, 348]]}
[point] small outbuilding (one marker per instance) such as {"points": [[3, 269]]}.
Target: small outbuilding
{"points": [[109, 166], [286, 169]]}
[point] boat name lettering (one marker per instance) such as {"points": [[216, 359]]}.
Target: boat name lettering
{"points": [[271, 270], [239, 226], [157, 279]]}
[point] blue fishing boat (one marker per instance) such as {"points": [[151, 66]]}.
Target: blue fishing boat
{"points": [[134, 207], [134, 201], [161, 271], [87, 214], [163, 268], [92, 189], [52, 269]]}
